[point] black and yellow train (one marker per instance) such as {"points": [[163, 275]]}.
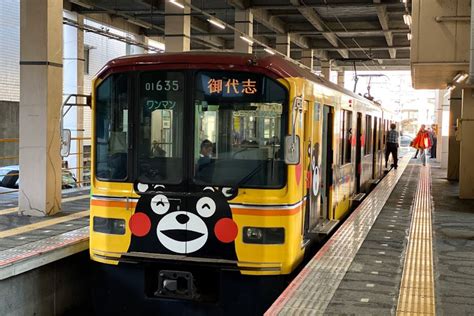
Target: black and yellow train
{"points": [[212, 168]]}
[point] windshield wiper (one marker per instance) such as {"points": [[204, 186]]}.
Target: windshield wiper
{"points": [[249, 176]]}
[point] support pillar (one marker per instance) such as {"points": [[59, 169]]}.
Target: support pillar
{"points": [[244, 24], [455, 102], [73, 76], [41, 87], [136, 50], [340, 78], [466, 167], [442, 119], [283, 44], [307, 58], [326, 69], [177, 28]]}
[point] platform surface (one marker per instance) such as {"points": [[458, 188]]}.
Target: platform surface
{"points": [[378, 261], [28, 242]]}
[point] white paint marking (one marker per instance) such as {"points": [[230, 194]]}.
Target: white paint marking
{"points": [[374, 272], [364, 300], [381, 252], [389, 231], [46, 231], [370, 285], [378, 261], [391, 225], [21, 238], [387, 237], [384, 245]]}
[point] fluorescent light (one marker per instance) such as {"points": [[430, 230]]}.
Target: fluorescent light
{"points": [[216, 23], [409, 36], [179, 5], [248, 40], [460, 77], [268, 50], [407, 19]]}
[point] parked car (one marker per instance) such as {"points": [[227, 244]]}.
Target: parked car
{"points": [[9, 178]]}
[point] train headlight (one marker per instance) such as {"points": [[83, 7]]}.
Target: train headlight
{"points": [[114, 226], [264, 235]]}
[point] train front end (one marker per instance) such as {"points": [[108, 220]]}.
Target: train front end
{"points": [[189, 173]]}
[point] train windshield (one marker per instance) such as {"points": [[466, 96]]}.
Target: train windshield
{"points": [[160, 127], [240, 123]]}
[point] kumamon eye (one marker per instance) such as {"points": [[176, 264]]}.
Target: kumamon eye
{"points": [[206, 206], [160, 204]]}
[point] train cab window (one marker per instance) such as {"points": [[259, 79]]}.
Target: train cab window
{"points": [[240, 122], [346, 136], [160, 127], [112, 105], [368, 135]]}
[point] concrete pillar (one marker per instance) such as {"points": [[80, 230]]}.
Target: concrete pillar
{"points": [[307, 58], [73, 83], [466, 167], [177, 28], [283, 44], [340, 78], [442, 119], [455, 102], [326, 69], [244, 24], [41, 87]]}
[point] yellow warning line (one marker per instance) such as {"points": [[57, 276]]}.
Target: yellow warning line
{"points": [[15, 209], [45, 223], [416, 295]]}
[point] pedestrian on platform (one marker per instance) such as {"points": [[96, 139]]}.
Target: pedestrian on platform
{"points": [[434, 141], [392, 146], [422, 142]]}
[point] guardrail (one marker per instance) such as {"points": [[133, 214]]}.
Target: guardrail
{"points": [[77, 175]]}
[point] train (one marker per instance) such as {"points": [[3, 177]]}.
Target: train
{"points": [[210, 169]]}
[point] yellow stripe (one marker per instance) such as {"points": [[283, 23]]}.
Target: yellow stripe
{"points": [[417, 295], [46, 223], [15, 209]]}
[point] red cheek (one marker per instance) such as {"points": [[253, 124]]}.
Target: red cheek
{"points": [[139, 224], [226, 230]]}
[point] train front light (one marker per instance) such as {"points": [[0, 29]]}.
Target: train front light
{"points": [[264, 235], [114, 226]]}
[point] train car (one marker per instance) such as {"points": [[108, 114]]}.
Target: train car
{"points": [[209, 167]]}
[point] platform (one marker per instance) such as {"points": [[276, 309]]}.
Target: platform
{"points": [[406, 251], [28, 242]]}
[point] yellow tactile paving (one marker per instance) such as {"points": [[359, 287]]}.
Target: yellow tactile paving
{"points": [[46, 223], [416, 295], [15, 209]]}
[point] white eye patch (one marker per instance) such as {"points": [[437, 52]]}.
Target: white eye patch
{"points": [[160, 204], [142, 187], [227, 192], [206, 206]]}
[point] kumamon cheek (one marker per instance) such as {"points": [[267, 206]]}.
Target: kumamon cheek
{"points": [[226, 230]]}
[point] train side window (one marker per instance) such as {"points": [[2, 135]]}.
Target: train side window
{"points": [[368, 135], [346, 136]]}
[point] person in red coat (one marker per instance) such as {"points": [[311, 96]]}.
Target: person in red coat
{"points": [[422, 142]]}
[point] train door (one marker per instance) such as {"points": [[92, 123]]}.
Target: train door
{"points": [[374, 148], [358, 151], [312, 161], [326, 160]]}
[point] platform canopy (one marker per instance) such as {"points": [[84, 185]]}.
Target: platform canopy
{"points": [[370, 33]]}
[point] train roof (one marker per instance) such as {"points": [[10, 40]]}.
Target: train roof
{"points": [[276, 64]]}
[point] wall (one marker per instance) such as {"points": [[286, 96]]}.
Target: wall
{"points": [[10, 50]]}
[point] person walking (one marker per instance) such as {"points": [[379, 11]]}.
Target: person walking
{"points": [[434, 141], [392, 145], [422, 142]]}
